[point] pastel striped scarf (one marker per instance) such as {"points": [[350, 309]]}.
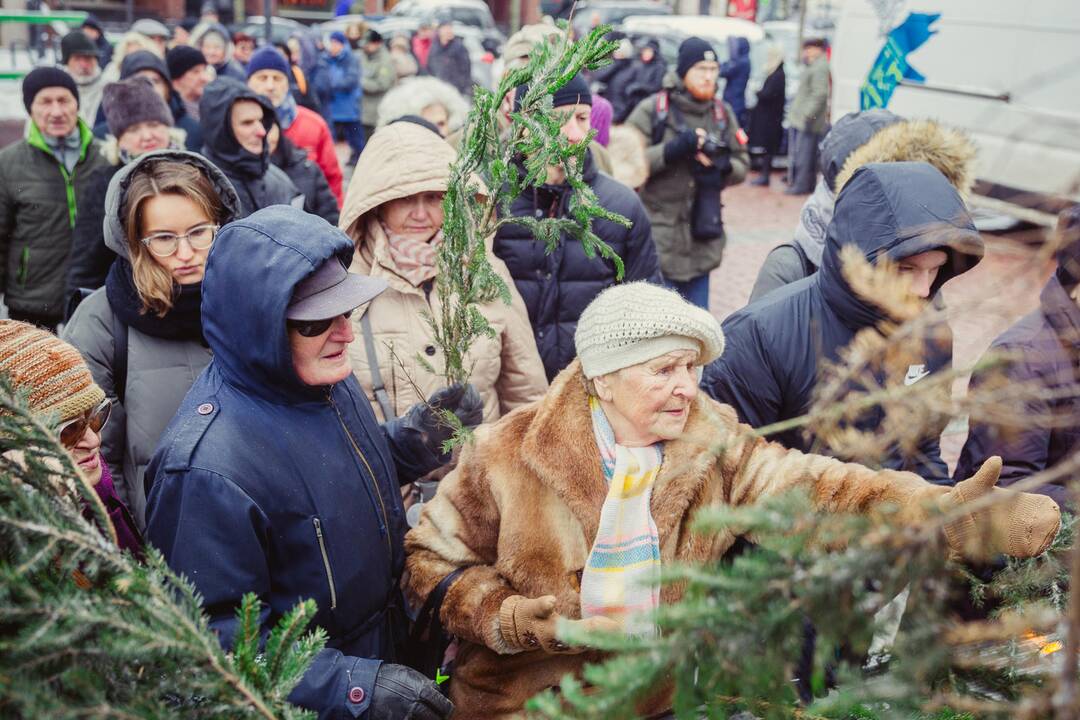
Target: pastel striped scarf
{"points": [[621, 580]]}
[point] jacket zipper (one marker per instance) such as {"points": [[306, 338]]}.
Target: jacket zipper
{"points": [[374, 480], [325, 561]]}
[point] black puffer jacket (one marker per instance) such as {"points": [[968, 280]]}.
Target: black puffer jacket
{"points": [[90, 258], [774, 347], [557, 287], [258, 183], [308, 179]]}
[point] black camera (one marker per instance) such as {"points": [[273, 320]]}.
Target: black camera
{"points": [[714, 147]]}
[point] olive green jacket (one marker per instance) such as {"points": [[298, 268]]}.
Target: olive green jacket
{"points": [[669, 193], [379, 76], [809, 109], [37, 215]]}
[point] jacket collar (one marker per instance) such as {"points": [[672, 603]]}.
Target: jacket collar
{"points": [[36, 139], [560, 447]]}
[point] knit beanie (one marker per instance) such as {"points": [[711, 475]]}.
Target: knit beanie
{"points": [[575, 92], [76, 42], [268, 58], [182, 58], [144, 60], [693, 50], [51, 372], [339, 36], [45, 77], [633, 323], [133, 101]]}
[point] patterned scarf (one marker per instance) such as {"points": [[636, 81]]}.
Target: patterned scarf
{"points": [[286, 111], [621, 580], [66, 149], [414, 259]]}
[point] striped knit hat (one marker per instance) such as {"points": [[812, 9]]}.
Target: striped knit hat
{"points": [[51, 371]]}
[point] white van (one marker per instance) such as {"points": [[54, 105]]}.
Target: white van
{"points": [[1005, 71]]}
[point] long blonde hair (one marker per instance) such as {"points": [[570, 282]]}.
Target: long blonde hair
{"points": [[162, 177]]}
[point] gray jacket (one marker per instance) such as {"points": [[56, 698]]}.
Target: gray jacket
{"points": [[159, 371]]}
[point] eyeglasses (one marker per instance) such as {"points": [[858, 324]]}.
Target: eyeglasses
{"points": [[314, 328], [164, 244], [72, 431]]}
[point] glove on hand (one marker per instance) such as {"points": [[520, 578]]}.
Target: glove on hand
{"points": [[531, 624], [462, 400], [681, 146], [401, 693], [1021, 526]]}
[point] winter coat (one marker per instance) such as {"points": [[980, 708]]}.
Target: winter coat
{"points": [[228, 67], [615, 78], [343, 80], [193, 139], [38, 200], [310, 133], [1044, 352], [736, 73], [520, 513], [159, 369], [639, 82], [308, 179], [557, 287], [405, 64], [809, 111], [264, 484], [90, 256], [379, 76], [775, 347], [90, 93], [258, 183], [767, 117], [669, 193], [450, 63]]}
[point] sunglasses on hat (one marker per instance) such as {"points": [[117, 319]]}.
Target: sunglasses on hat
{"points": [[71, 432], [314, 328]]}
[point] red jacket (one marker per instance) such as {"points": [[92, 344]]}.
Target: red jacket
{"points": [[421, 48], [309, 131]]}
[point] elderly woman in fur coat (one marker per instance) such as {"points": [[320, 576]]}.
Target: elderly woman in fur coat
{"points": [[568, 508]]}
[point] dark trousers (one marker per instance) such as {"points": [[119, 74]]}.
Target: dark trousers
{"points": [[803, 161], [695, 290], [352, 133], [45, 323]]}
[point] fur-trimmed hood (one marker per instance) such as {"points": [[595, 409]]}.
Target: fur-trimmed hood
{"points": [[412, 95]]}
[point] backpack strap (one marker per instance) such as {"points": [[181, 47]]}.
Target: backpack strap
{"points": [[120, 356], [377, 385], [663, 109]]}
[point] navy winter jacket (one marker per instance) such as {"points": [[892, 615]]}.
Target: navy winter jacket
{"points": [[736, 73], [1044, 352], [774, 346], [264, 484], [557, 287]]}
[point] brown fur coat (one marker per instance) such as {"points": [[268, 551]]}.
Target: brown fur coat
{"points": [[521, 510]]}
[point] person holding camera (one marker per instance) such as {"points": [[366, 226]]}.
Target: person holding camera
{"points": [[696, 149]]}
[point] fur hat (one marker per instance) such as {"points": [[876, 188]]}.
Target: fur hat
{"points": [[633, 323], [130, 102], [51, 372]]}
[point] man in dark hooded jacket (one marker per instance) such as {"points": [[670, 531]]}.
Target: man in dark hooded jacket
{"points": [[274, 476], [736, 73], [644, 78], [235, 122], [907, 212]]}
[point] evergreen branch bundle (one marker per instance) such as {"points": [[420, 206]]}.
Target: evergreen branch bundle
{"points": [[86, 630]]}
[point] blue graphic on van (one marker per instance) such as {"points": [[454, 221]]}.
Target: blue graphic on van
{"points": [[891, 65]]}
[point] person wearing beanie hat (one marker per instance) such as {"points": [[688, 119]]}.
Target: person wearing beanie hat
{"points": [[269, 74], [378, 76], [558, 286], [93, 29], [605, 476], [137, 116], [40, 178], [146, 64], [343, 107], [449, 60], [808, 118], [694, 142], [188, 70], [59, 388], [79, 56]]}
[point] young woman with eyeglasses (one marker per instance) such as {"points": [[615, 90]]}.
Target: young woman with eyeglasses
{"points": [[141, 334], [58, 385]]}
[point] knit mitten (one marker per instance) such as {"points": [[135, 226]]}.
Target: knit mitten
{"points": [[531, 624], [1021, 526]]}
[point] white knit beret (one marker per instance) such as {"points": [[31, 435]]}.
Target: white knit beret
{"points": [[633, 323]]}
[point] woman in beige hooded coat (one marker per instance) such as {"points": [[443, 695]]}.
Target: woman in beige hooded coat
{"points": [[393, 213]]}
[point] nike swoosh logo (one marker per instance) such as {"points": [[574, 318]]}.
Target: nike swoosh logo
{"points": [[911, 379]]}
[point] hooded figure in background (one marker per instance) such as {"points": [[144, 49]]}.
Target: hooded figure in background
{"points": [[258, 182], [907, 212], [275, 478], [736, 73], [645, 77], [857, 139], [215, 42]]}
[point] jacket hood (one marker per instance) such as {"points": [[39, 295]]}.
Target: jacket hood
{"points": [[115, 239], [201, 30], [895, 210], [221, 145], [266, 255], [399, 160], [411, 96], [738, 47], [849, 134]]}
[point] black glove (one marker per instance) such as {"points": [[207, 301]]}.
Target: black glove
{"points": [[681, 146], [462, 400], [712, 178], [402, 693]]}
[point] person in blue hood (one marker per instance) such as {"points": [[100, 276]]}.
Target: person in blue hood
{"points": [[274, 476], [905, 211], [736, 73]]}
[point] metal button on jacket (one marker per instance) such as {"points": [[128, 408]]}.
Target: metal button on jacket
{"points": [[205, 409]]}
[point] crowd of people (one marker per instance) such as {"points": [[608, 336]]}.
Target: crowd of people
{"points": [[248, 377]]}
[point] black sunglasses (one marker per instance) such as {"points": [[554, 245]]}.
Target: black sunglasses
{"points": [[314, 328], [72, 431]]}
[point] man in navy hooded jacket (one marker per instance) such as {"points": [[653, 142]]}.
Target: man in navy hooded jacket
{"points": [[274, 476], [905, 211]]}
